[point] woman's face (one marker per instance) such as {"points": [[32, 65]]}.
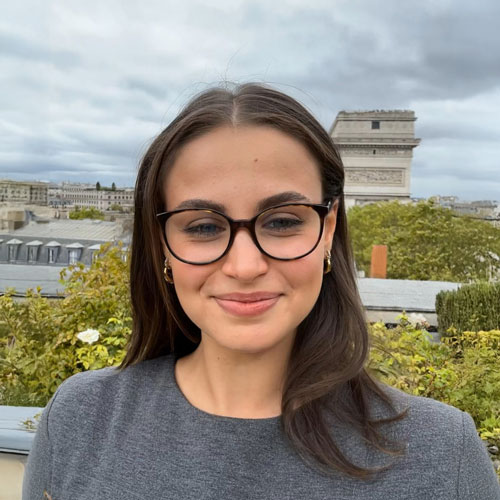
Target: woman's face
{"points": [[238, 168]]}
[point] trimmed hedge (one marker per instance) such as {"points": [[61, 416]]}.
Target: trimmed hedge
{"points": [[472, 307]]}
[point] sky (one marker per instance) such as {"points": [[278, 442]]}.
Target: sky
{"points": [[86, 86]]}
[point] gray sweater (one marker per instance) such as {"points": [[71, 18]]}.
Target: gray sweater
{"points": [[133, 435]]}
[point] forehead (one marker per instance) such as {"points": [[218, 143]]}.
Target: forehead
{"points": [[240, 166]]}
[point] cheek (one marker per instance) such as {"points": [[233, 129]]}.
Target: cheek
{"points": [[304, 280], [306, 273], [188, 281]]}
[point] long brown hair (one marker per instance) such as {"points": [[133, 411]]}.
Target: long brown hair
{"points": [[326, 375]]}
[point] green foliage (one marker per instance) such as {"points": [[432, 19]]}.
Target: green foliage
{"points": [[471, 307], [425, 242], [405, 358], [39, 347], [476, 358], [116, 207], [86, 213], [461, 371]]}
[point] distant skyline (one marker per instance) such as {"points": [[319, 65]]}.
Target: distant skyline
{"points": [[86, 86], [132, 186]]}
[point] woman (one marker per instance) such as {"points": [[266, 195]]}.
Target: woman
{"points": [[244, 375]]}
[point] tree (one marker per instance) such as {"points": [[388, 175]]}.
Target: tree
{"points": [[98, 186], [86, 213], [425, 242], [113, 187]]}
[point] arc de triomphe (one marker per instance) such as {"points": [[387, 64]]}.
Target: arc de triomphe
{"points": [[376, 148]]}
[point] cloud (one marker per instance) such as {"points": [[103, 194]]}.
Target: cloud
{"points": [[16, 47], [87, 85]]}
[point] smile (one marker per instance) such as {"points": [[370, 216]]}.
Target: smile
{"points": [[247, 308]]}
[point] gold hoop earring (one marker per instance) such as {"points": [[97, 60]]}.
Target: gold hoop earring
{"points": [[167, 272], [327, 263]]}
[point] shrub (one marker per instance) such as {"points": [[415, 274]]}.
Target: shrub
{"points": [[39, 346], [405, 358], [86, 213], [471, 307], [476, 359]]}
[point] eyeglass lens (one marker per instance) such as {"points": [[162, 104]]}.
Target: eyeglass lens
{"points": [[285, 232]]}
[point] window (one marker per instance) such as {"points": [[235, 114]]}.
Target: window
{"points": [[32, 253], [52, 255], [375, 125], [94, 255], [73, 255], [13, 252]]}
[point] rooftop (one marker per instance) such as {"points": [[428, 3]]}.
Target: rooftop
{"points": [[21, 277], [85, 229], [14, 436], [398, 114], [407, 295]]}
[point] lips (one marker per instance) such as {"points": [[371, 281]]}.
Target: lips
{"points": [[247, 304], [248, 297]]}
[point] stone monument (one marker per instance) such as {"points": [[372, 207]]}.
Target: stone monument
{"points": [[376, 148]]}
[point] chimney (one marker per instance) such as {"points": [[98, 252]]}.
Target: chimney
{"points": [[378, 267]]}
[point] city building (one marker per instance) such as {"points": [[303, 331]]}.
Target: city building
{"points": [[11, 218], [25, 192], [59, 242], [65, 194], [376, 148], [55, 195], [487, 210], [88, 196]]}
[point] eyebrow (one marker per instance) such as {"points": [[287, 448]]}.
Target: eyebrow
{"points": [[275, 199]]}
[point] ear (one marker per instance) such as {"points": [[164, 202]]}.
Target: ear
{"points": [[164, 248], [330, 225]]}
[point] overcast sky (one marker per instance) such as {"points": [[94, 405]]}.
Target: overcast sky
{"points": [[85, 86]]}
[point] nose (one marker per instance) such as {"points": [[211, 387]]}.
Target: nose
{"points": [[244, 261]]}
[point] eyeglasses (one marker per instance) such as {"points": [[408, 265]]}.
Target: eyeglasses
{"points": [[283, 232]]}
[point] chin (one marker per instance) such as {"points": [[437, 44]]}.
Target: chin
{"points": [[251, 341]]}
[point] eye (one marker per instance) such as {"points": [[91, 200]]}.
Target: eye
{"points": [[204, 229], [287, 220], [282, 224]]}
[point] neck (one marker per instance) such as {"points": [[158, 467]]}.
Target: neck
{"points": [[233, 384]]}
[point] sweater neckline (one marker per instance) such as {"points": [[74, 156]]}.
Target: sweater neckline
{"points": [[193, 411]]}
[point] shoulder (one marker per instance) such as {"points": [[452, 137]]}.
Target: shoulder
{"points": [[427, 422], [97, 393], [431, 431], [440, 437], [421, 411]]}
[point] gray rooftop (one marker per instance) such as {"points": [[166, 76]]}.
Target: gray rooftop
{"points": [[21, 277], [407, 295], [85, 229], [14, 437]]}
